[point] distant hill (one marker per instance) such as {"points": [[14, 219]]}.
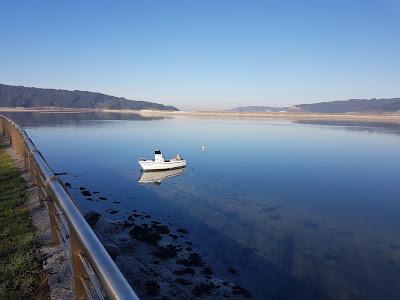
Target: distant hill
{"points": [[351, 106], [20, 96], [258, 109]]}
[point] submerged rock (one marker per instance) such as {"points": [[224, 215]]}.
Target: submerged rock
{"points": [[203, 288], [194, 260], [232, 270], [144, 234], [275, 216], [161, 229], [184, 271], [311, 224], [182, 230], [238, 290], [173, 236], [183, 281], [207, 271], [152, 287], [330, 256], [167, 252], [86, 193], [102, 198], [92, 218]]}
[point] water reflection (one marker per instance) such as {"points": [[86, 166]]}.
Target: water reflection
{"points": [[41, 119], [157, 177], [371, 127]]}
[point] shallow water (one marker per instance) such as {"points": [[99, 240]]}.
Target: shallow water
{"points": [[299, 210]]}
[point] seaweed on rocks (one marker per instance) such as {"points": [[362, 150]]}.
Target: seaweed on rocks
{"points": [[207, 271]]}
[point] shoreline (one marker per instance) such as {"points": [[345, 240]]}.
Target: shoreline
{"points": [[356, 117]]}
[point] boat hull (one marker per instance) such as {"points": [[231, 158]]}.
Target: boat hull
{"points": [[151, 165]]}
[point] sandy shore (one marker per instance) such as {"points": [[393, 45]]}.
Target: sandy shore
{"points": [[386, 118], [389, 118]]}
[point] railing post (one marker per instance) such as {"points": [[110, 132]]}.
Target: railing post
{"points": [[53, 222], [77, 267]]}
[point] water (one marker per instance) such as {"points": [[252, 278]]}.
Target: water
{"points": [[287, 210]]}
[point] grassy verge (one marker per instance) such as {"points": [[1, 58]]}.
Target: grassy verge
{"points": [[20, 263]]}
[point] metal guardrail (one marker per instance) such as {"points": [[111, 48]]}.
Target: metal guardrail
{"points": [[96, 276]]}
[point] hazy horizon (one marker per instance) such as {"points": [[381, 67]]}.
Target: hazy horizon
{"points": [[206, 55]]}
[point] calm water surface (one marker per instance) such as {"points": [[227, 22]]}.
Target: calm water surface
{"points": [[299, 211]]}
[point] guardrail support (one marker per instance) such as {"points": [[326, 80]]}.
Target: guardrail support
{"points": [[53, 223], [78, 268]]}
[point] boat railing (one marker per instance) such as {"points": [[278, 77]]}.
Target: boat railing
{"points": [[95, 274]]}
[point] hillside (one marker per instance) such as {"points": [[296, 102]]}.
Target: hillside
{"points": [[351, 106], [29, 97], [258, 109]]}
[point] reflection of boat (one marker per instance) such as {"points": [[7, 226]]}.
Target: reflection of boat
{"points": [[159, 163], [158, 176]]}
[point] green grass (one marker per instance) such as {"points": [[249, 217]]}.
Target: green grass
{"points": [[20, 261]]}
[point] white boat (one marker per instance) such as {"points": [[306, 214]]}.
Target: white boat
{"points": [[157, 177], [159, 163]]}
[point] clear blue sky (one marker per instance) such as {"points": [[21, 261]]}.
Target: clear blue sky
{"points": [[205, 54]]}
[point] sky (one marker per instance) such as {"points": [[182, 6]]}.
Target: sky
{"points": [[205, 54]]}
